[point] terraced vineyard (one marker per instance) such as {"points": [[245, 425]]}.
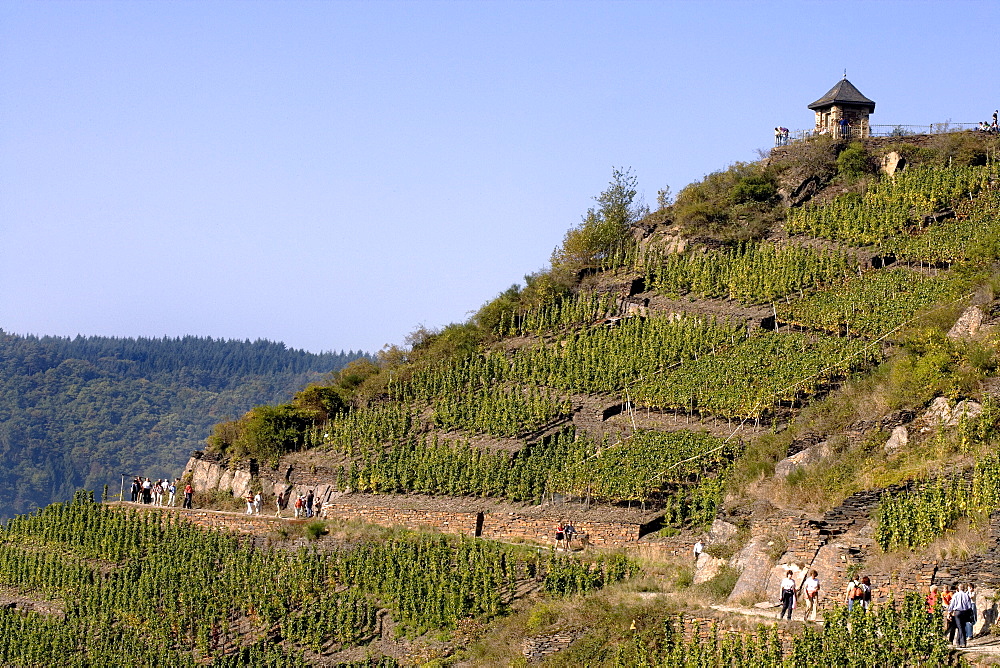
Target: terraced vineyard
{"points": [[538, 406], [144, 585], [838, 311]]}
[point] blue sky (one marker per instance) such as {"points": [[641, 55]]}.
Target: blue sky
{"points": [[334, 174]]}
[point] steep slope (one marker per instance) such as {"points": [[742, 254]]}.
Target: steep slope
{"points": [[799, 354], [660, 327]]}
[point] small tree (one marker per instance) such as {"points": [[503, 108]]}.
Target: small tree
{"points": [[604, 227]]}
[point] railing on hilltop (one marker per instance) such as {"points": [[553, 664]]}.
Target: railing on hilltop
{"points": [[877, 131]]}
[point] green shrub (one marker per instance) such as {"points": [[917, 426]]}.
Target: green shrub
{"points": [[855, 162], [315, 529]]}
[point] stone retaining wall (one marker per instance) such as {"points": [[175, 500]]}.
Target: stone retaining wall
{"points": [[542, 529], [467, 516], [445, 522]]}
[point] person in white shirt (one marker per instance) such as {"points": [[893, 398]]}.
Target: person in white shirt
{"points": [[787, 595], [811, 589], [698, 547]]}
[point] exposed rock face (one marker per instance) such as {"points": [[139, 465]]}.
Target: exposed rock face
{"points": [[968, 324], [721, 531], [897, 441], [892, 162], [707, 567], [986, 603], [940, 414], [754, 564], [802, 459]]}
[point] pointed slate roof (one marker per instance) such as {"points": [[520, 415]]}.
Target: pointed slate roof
{"points": [[843, 92]]}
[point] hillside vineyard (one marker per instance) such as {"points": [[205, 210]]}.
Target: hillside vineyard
{"points": [[673, 368]]}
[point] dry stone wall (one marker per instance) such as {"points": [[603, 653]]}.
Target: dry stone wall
{"points": [[471, 517]]}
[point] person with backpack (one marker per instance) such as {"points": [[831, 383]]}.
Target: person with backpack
{"points": [[811, 589], [855, 594], [787, 595], [866, 592]]}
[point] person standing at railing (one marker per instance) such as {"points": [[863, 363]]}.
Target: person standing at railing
{"points": [[777, 136], [784, 136]]}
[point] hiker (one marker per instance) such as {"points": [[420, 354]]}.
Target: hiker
{"points": [[319, 508], [787, 595], [698, 549], [134, 490], [299, 503], [279, 503], [960, 610], [188, 493], [811, 589], [172, 489], [249, 500], [866, 587], [777, 136], [859, 592], [570, 531], [560, 535], [147, 491], [257, 501], [932, 599], [970, 624], [309, 504], [784, 136]]}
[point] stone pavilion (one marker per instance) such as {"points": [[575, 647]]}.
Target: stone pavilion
{"points": [[843, 102]]}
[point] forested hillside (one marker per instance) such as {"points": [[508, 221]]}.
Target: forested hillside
{"points": [[76, 413]]}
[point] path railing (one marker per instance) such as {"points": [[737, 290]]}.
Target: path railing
{"points": [[877, 131]]}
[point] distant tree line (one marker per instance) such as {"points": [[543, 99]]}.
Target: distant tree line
{"points": [[77, 412]]}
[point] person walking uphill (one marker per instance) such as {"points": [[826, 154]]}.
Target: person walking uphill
{"points": [[787, 595]]}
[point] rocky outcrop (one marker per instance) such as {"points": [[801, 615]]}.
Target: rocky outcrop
{"points": [[802, 459], [754, 563], [897, 441], [892, 162], [721, 531], [941, 414], [707, 567], [968, 324]]}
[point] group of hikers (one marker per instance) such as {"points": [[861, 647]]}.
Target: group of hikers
{"points": [[159, 493], [781, 136], [305, 505], [961, 612], [957, 604], [986, 126], [565, 532]]}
